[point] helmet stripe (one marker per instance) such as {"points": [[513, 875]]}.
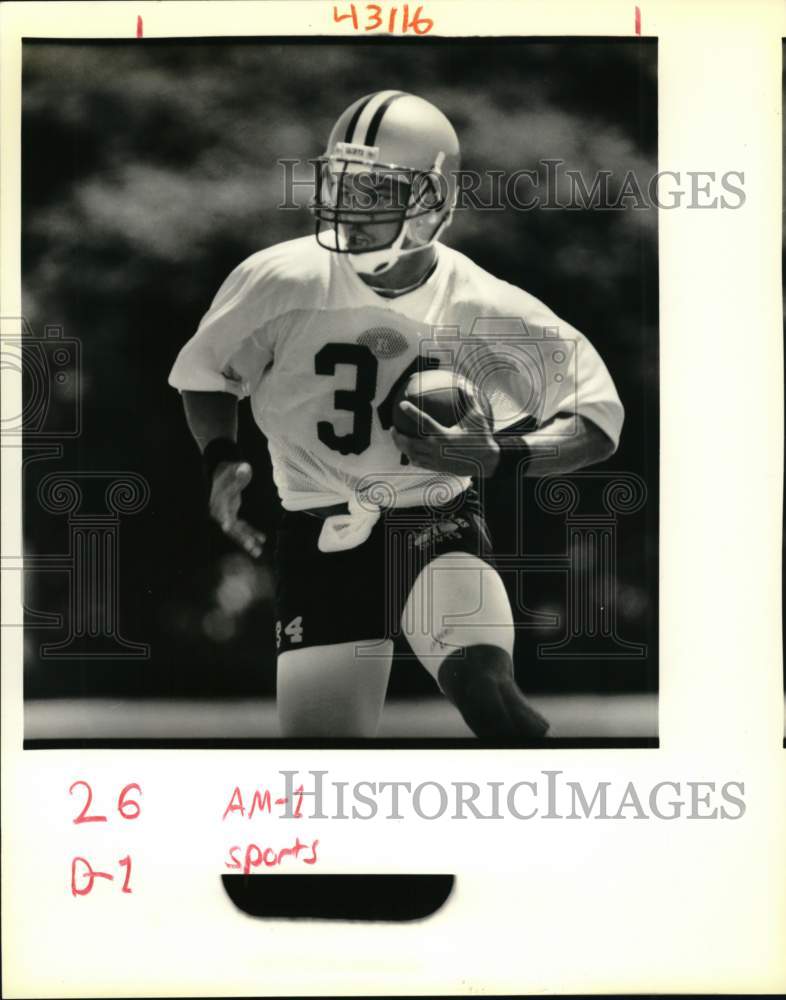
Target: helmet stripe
{"points": [[367, 112], [356, 115], [379, 114]]}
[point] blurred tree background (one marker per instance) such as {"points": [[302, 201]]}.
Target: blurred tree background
{"points": [[150, 169]]}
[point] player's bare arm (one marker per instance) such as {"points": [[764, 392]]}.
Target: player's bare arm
{"points": [[212, 420], [563, 444], [210, 415]]}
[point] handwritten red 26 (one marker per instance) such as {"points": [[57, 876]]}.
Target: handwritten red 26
{"points": [[128, 808]]}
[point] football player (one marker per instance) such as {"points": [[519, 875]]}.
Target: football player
{"points": [[383, 531]]}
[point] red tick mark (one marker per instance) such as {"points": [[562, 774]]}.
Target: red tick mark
{"points": [[139, 26], [638, 20]]}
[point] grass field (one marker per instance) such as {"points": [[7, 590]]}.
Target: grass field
{"points": [[571, 716]]}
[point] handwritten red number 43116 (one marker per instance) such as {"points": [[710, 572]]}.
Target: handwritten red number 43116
{"points": [[373, 17]]}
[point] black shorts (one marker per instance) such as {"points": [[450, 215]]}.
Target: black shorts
{"points": [[359, 594]]}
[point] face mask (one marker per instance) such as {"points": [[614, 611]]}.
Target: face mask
{"points": [[376, 262]]}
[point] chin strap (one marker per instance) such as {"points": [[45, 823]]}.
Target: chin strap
{"points": [[377, 262], [393, 293]]}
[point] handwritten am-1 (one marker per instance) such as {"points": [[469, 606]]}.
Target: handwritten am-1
{"points": [[126, 807], [374, 17], [248, 857]]}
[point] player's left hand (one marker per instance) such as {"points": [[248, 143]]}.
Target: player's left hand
{"points": [[229, 481], [467, 449]]}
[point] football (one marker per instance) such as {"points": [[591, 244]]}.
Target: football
{"points": [[443, 394]]}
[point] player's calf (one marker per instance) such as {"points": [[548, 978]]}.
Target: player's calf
{"points": [[479, 681]]}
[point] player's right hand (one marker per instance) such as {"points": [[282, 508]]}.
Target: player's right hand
{"points": [[229, 481]]}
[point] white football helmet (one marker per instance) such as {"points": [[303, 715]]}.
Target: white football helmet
{"points": [[386, 185]]}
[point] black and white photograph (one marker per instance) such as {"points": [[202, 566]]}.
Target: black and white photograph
{"points": [[352, 348], [392, 498]]}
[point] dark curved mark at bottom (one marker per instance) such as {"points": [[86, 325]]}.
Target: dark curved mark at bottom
{"points": [[339, 897]]}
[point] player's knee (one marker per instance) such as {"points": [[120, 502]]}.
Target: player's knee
{"points": [[458, 602]]}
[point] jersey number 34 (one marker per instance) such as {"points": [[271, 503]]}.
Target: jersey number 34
{"points": [[359, 401]]}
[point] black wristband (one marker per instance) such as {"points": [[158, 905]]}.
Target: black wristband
{"points": [[217, 451], [513, 450]]}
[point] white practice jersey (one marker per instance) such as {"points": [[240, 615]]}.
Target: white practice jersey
{"points": [[321, 356]]}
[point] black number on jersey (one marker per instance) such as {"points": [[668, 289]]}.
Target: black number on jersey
{"points": [[357, 401]]}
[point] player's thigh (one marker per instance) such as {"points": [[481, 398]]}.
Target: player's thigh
{"points": [[325, 599], [334, 690], [457, 600]]}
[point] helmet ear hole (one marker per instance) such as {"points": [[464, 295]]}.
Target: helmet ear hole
{"points": [[429, 191]]}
